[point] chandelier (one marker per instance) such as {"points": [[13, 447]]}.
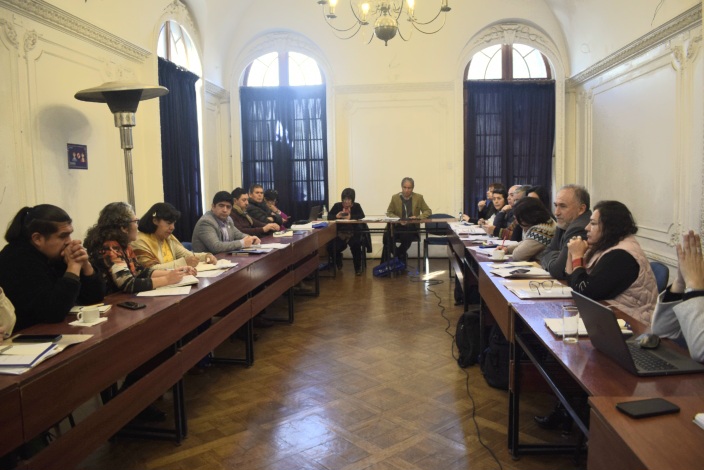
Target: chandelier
{"points": [[387, 14]]}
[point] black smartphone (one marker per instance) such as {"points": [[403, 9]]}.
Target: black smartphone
{"points": [[647, 407], [36, 338], [131, 305], [519, 271]]}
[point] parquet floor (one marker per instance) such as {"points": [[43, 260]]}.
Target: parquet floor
{"points": [[364, 379]]}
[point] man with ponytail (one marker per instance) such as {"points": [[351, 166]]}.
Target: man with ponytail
{"points": [[43, 271]]}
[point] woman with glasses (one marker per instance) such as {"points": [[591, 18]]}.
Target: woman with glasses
{"points": [[610, 264], [108, 244], [157, 248], [538, 230]]}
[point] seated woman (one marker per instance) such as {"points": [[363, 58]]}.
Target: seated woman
{"points": [[157, 248], [271, 197], [680, 309], [347, 234], [538, 229], [610, 264], [108, 244]]}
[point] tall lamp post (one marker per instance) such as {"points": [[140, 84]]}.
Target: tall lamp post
{"points": [[122, 99]]}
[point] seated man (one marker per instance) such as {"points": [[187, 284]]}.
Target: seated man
{"points": [[405, 205], [42, 270], [258, 208], [678, 313], [215, 232], [572, 215], [243, 221]]}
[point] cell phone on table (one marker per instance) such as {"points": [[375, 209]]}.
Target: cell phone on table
{"points": [[36, 338], [131, 305], [647, 407]]}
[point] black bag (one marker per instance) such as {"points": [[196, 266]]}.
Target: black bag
{"points": [[494, 360], [467, 339]]}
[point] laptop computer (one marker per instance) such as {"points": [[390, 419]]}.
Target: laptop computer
{"points": [[315, 213], [605, 335]]}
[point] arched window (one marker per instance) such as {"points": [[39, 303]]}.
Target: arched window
{"points": [[509, 120], [284, 130], [283, 69], [508, 62], [180, 70]]}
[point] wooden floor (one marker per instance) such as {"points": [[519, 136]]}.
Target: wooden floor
{"points": [[364, 379]]}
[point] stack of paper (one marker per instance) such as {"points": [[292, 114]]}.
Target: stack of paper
{"points": [[28, 350], [221, 264], [521, 273], [555, 325], [102, 308]]}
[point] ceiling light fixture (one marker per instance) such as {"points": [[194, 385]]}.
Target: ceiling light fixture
{"points": [[387, 14]]}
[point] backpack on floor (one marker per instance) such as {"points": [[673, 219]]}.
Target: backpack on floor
{"points": [[494, 360], [467, 339]]}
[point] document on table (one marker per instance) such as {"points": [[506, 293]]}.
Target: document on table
{"points": [[63, 343], [272, 246], [102, 308], [518, 273], [521, 288], [308, 226], [220, 265], [555, 325], [166, 290], [211, 273], [24, 354]]}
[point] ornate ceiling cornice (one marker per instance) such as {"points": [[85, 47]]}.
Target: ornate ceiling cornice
{"points": [[42, 12], [687, 20]]}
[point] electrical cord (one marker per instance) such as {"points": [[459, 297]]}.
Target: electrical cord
{"points": [[452, 352]]}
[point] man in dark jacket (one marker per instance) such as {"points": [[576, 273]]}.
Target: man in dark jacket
{"points": [[258, 208]]}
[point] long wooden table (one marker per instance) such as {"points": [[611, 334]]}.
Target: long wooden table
{"points": [[577, 373], [51, 391]]}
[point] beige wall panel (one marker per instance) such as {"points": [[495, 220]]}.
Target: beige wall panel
{"points": [[634, 143]]}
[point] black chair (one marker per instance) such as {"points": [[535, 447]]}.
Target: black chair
{"points": [[436, 234], [662, 274]]}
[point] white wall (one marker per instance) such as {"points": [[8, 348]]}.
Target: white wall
{"points": [[640, 124]]}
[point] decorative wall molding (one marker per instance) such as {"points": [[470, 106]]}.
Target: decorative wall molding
{"points": [[180, 11], [9, 31], [510, 33], [395, 88], [678, 25], [215, 91], [44, 13]]}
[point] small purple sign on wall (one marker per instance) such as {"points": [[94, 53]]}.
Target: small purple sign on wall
{"points": [[77, 156]]}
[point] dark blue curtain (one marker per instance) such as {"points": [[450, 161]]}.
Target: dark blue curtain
{"points": [[284, 144], [509, 135], [179, 146]]}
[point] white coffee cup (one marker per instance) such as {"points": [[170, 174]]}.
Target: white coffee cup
{"points": [[498, 254], [88, 315]]}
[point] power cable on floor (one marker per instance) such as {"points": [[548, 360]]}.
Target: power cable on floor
{"points": [[452, 348]]}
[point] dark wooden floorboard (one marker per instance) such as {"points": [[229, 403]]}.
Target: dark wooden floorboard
{"points": [[364, 379]]}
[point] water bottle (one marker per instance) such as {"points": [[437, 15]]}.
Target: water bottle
{"points": [[325, 213]]}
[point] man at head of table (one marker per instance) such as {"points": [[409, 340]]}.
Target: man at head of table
{"points": [[215, 232], [406, 205], [572, 214]]}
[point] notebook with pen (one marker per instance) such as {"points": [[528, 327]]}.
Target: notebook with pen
{"points": [[605, 335]]}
